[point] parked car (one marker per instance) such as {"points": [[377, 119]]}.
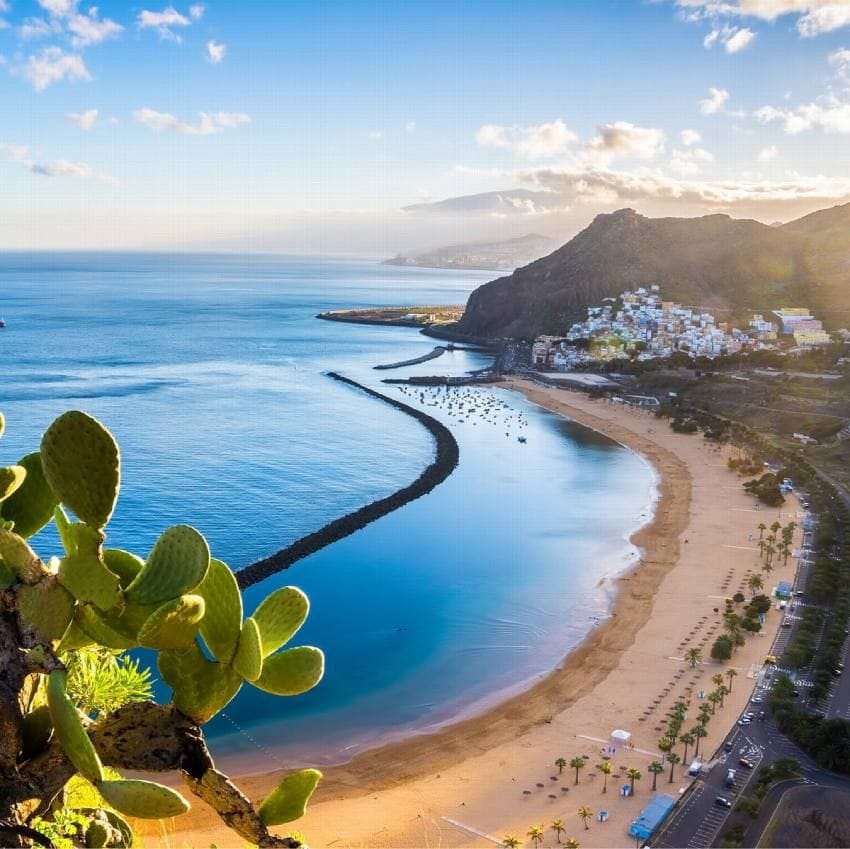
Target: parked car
{"points": [[728, 746], [757, 700], [762, 715], [746, 764], [744, 720], [730, 777], [723, 802]]}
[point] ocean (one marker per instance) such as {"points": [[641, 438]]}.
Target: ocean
{"points": [[211, 372]]}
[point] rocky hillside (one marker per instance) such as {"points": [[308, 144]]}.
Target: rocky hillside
{"points": [[727, 265]]}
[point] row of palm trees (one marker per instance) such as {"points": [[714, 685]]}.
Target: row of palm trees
{"points": [[537, 832], [777, 543], [606, 768]]}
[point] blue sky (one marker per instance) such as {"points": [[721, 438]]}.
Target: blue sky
{"points": [[309, 126]]}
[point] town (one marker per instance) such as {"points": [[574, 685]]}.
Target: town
{"points": [[639, 325]]}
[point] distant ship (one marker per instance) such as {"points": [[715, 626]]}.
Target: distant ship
{"points": [[2, 323], [521, 439]]}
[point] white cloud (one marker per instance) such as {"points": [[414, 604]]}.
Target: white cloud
{"points": [[624, 139], [91, 29], [733, 39], [766, 154], [82, 30], [829, 114], [84, 120], [58, 8], [687, 162], [535, 142], [690, 137], [58, 168], [814, 17], [196, 11], [840, 60], [163, 22], [209, 124], [375, 135], [216, 51], [51, 65], [410, 126], [715, 102]]}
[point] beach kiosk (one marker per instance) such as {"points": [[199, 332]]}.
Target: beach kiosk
{"points": [[619, 739], [651, 816], [783, 590]]}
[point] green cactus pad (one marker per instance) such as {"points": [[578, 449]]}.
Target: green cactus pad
{"points": [[63, 525], [75, 638], [200, 687], [98, 627], [7, 576], [36, 729], [291, 672], [32, 506], [143, 799], [19, 557], [82, 465], [176, 565], [69, 729], [222, 620], [174, 624], [2, 424], [279, 616], [249, 656], [86, 575], [97, 835], [124, 564], [46, 607], [11, 479], [288, 802]]}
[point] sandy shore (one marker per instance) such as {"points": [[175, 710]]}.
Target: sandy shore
{"points": [[463, 786]]}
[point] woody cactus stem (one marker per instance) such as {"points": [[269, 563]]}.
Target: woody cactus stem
{"points": [[176, 601]]}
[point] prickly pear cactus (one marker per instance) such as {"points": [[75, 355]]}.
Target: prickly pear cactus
{"points": [[178, 601]]}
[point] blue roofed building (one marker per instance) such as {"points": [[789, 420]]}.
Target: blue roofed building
{"points": [[651, 816]]}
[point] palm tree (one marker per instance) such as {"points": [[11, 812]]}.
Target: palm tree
{"points": [[536, 834], [776, 528], [687, 739], [762, 528], [633, 774], [606, 769], [673, 759], [714, 698], [656, 768], [694, 657], [755, 583], [510, 841], [560, 763], [766, 568], [558, 827], [571, 843], [585, 813], [717, 680], [577, 764], [722, 691], [699, 731], [730, 674], [665, 745]]}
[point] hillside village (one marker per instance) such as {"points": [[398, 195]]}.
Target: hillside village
{"points": [[641, 325]]}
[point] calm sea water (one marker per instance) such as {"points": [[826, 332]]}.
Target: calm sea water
{"points": [[210, 371]]}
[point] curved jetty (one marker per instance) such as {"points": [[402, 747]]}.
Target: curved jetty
{"points": [[444, 463], [431, 355]]}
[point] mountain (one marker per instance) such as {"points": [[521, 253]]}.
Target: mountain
{"points": [[490, 203], [490, 256], [729, 266]]}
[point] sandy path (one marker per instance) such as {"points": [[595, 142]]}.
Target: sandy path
{"points": [[456, 787]]}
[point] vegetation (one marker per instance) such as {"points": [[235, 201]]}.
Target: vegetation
{"points": [[72, 702], [586, 815], [577, 764]]}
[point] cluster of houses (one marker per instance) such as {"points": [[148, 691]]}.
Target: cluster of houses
{"points": [[640, 325]]}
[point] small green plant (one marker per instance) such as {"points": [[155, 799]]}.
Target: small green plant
{"points": [[72, 701]]}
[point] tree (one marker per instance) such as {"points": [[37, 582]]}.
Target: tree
{"points": [[693, 657], [699, 731], [687, 739], [577, 764], [606, 769], [730, 674], [536, 834], [572, 843], [755, 583], [722, 648], [665, 745], [62, 624], [558, 827], [656, 768], [633, 774], [714, 697], [510, 841], [673, 759], [585, 813], [722, 691], [560, 763], [761, 528], [717, 680]]}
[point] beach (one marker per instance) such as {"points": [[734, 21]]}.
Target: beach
{"points": [[464, 784]]}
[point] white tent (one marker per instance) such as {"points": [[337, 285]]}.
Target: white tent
{"points": [[619, 738]]}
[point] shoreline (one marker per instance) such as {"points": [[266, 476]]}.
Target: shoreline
{"points": [[656, 542]]}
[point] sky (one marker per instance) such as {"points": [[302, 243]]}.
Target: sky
{"points": [[358, 126]]}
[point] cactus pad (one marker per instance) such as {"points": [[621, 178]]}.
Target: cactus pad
{"points": [[32, 506], [69, 729], [200, 687], [143, 799], [11, 478], [174, 624], [20, 558], [176, 565], [101, 629], [7, 576], [288, 801], [249, 656], [84, 572], [82, 465], [124, 564], [46, 607], [222, 620], [279, 616], [291, 672]]}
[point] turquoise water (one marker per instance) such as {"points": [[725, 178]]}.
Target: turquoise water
{"points": [[210, 371]]}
